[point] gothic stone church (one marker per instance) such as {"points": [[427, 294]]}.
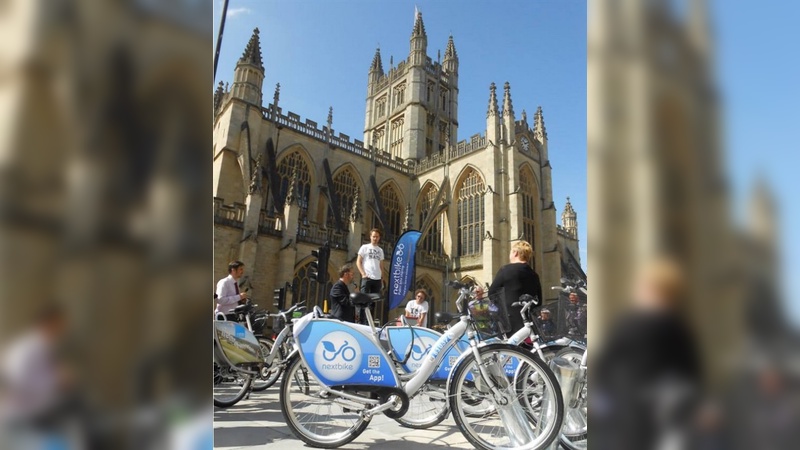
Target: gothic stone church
{"points": [[284, 186]]}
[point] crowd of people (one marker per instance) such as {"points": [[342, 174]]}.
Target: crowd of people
{"points": [[512, 281]]}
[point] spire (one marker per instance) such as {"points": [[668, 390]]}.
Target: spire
{"points": [[538, 125], [377, 65], [277, 95], [525, 118], [330, 118], [508, 110], [419, 27], [450, 51], [218, 97], [252, 53], [492, 101]]}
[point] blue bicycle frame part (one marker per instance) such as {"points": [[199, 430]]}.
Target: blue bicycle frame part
{"points": [[236, 345], [342, 353], [423, 341]]}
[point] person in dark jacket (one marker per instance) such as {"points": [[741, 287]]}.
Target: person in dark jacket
{"points": [[516, 279], [341, 308]]}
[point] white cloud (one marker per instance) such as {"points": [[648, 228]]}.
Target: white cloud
{"points": [[233, 12]]}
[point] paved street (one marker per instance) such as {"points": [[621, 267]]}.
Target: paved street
{"points": [[257, 423]]}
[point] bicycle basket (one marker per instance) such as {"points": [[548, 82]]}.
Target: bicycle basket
{"points": [[490, 315]]}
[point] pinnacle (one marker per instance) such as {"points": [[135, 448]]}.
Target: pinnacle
{"points": [[507, 108], [492, 100], [450, 51], [419, 27], [377, 64], [252, 53]]}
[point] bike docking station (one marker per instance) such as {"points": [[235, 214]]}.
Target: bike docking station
{"points": [[567, 374]]}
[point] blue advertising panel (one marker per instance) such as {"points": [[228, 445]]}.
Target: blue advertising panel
{"points": [[401, 270], [340, 353], [424, 340]]}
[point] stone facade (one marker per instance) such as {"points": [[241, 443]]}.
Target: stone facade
{"points": [[283, 186]]}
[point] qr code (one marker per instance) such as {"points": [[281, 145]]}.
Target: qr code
{"points": [[452, 360], [374, 361]]}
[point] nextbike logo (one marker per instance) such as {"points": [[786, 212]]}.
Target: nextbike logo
{"points": [[422, 347], [337, 356]]}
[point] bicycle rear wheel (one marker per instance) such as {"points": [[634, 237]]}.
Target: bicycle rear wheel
{"points": [[229, 386], [315, 417], [268, 374], [426, 408], [519, 398]]}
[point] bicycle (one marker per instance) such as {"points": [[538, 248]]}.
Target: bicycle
{"points": [[329, 403]]}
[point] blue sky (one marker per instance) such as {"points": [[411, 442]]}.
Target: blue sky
{"points": [[320, 52], [759, 80]]}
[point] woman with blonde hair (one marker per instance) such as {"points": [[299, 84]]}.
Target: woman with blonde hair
{"points": [[517, 278]]}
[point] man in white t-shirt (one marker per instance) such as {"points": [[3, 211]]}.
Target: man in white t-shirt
{"points": [[370, 265], [417, 309]]}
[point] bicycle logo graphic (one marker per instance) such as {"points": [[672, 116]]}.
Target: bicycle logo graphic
{"points": [[417, 354], [337, 356], [330, 347]]}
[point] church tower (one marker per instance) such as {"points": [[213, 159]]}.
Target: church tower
{"points": [[569, 220], [412, 111], [248, 77]]}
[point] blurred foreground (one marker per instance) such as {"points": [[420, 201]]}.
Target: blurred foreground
{"points": [[104, 222], [699, 354]]}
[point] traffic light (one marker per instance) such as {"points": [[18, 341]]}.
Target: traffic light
{"points": [[279, 298], [324, 257], [318, 269], [313, 266]]}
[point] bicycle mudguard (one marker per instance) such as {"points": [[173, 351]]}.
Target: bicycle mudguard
{"points": [[342, 353], [424, 340], [238, 345]]}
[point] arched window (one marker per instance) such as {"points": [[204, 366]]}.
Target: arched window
{"points": [[302, 190], [527, 189], [432, 241], [345, 186], [305, 288], [471, 214], [396, 137], [394, 213]]}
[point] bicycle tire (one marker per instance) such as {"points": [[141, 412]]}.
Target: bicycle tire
{"points": [[268, 374], [575, 431], [229, 389], [427, 408], [506, 425], [317, 421]]}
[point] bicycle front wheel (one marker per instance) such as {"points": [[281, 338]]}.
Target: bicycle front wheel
{"points": [[506, 399], [574, 433], [317, 418]]}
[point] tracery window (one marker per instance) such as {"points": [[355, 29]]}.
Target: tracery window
{"points": [[378, 139], [527, 190], [302, 188], [394, 211], [397, 137], [345, 186], [380, 107], [305, 287], [432, 240], [399, 95], [471, 214]]}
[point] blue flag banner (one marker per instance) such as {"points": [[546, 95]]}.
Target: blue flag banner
{"points": [[401, 269]]}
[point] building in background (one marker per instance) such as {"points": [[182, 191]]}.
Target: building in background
{"points": [[283, 186]]}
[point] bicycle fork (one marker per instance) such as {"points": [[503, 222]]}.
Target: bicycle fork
{"points": [[508, 407]]}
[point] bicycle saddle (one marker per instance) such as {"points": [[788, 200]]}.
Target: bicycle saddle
{"points": [[444, 317], [361, 299]]}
